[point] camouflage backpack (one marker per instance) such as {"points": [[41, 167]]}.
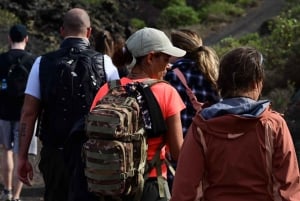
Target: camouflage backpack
{"points": [[116, 151]]}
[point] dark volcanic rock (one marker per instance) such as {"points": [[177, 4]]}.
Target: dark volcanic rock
{"points": [[43, 19]]}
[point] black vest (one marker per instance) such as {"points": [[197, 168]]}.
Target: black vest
{"points": [[65, 106]]}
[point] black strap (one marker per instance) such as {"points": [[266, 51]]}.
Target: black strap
{"points": [[157, 121], [18, 60]]}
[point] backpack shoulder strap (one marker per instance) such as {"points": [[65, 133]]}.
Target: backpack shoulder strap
{"points": [[157, 128], [18, 61], [196, 104]]}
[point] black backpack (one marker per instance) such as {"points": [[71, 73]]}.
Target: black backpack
{"points": [[17, 76], [70, 78]]}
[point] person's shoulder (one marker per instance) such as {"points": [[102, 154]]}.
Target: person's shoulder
{"points": [[3, 55], [92, 52], [273, 116], [163, 85]]}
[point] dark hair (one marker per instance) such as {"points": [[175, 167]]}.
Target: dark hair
{"points": [[240, 70], [104, 42], [122, 57], [17, 33]]}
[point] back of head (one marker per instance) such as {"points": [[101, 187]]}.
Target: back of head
{"points": [[186, 39], [104, 42], [18, 33], [75, 22], [205, 57], [240, 70], [147, 40]]}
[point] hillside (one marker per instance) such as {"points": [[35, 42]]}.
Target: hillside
{"points": [[43, 19]]}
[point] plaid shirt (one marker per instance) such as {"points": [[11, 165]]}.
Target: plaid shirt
{"points": [[200, 86]]}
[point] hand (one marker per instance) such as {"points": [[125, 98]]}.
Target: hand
{"points": [[25, 171]]}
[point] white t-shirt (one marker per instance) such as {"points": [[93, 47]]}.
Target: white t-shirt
{"points": [[33, 83]]}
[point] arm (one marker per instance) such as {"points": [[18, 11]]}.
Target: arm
{"points": [[285, 165], [30, 111], [174, 137], [190, 168]]}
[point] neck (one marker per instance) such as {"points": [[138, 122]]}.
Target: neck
{"points": [[20, 46], [137, 73], [250, 94]]}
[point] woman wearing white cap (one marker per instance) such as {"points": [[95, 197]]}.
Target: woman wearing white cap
{"points": [[146, 54]]}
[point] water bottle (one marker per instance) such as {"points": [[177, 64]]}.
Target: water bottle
{"points": [[3, 84]]}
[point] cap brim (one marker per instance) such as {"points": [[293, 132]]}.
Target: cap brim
{"points": [[174, 51]]}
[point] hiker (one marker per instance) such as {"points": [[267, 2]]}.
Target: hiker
{"points": [[147, 53], [11, 101], [104, 43], [239, 148], [199, 67], [69, 79], [107, 43]]}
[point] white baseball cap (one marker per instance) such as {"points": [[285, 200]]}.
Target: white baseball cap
{"points": [[148, 39]]}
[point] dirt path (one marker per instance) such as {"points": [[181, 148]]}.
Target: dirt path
{"points": [[249, 23]]}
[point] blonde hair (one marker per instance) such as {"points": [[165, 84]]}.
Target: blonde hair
{"points": [[205, 57]]}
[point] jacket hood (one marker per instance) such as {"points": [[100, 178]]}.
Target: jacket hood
{"points": [[231, 118], [238, 106]]}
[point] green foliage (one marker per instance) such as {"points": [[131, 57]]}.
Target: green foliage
{"points": [[281, 50], [174, 16], [225, 45], [278, 45], [7, 18], [280, 97], [220, 11], [244, 3], [166, 3], [137, 23]]}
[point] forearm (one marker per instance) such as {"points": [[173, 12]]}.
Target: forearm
{"points": [[29, 115]]}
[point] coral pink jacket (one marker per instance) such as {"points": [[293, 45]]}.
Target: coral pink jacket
{"points": [[238, 158]]}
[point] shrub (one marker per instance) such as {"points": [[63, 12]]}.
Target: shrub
{"points": [[244, 3], [7, 18], [220, 11], [278, 45], [174, 16], [280, 97], [137, 23]]}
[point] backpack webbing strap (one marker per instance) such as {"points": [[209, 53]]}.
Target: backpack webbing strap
{"points": [[157, 162], [196, 104], [170, 167]]}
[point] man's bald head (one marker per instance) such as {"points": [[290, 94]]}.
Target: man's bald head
{"points": [[76, 22]]}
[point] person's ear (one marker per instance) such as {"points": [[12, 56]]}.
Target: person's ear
{"points": [[62, 31], [89, 32], [150, 56], [26, 39]]}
